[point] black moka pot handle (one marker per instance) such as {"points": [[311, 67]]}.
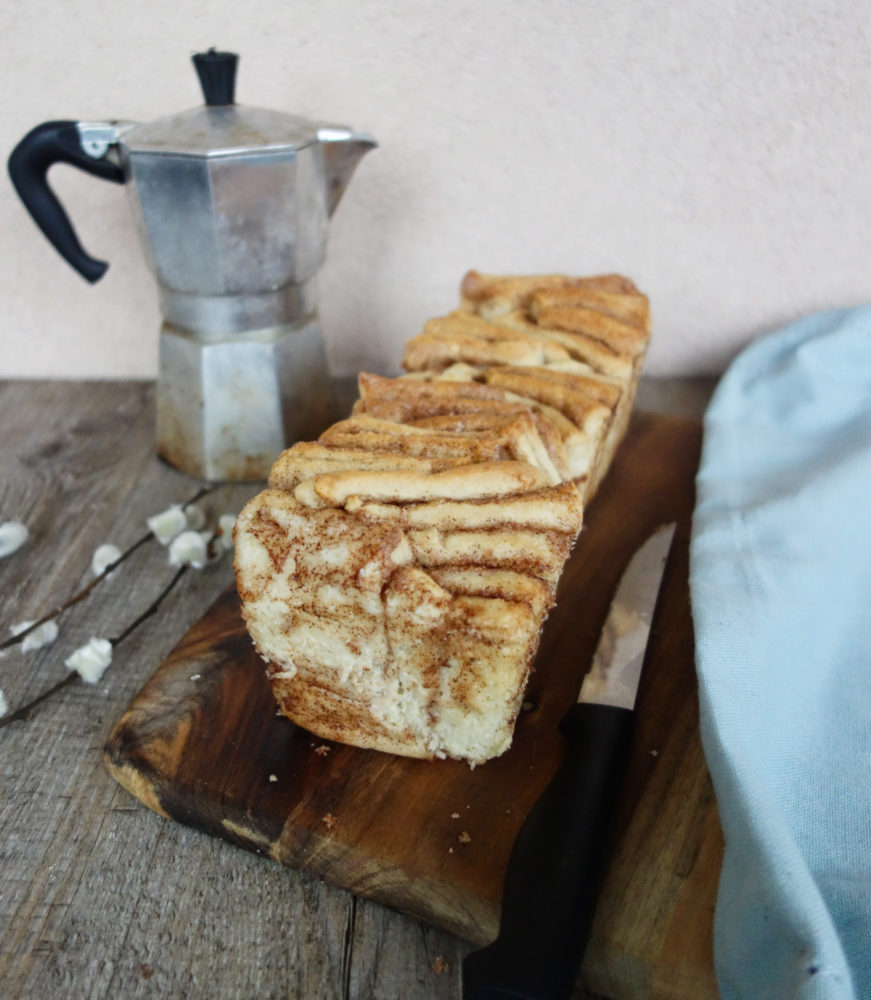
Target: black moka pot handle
{"points": [[42, 147]]}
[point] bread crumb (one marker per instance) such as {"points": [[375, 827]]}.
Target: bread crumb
{"points": [[440, 965], [273, 777], [450, 850], [322, 750], [455, 815], [329, 821], [653, 753], [464, 838], [196, 677]]}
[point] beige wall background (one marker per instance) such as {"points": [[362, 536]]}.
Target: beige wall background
{"points": [[717, 152]]}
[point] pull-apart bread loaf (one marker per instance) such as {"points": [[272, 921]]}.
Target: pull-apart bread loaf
{"points": [[396, 573]]}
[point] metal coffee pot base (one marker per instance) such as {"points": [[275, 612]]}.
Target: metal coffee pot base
{"points": [[227, 407]]}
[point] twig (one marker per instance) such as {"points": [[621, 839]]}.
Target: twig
{"points": [[80, 596], [151, 609], [85, 591], [25, 710]]}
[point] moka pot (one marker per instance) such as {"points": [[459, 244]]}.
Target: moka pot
{"points": [[232, 205]]}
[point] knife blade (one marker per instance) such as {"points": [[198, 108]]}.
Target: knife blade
{"points": [[558, 859]]}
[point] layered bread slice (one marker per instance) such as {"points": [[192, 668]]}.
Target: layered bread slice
{"points": [[396, 573]]}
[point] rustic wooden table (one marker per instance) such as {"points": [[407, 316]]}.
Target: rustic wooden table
{"points": [[99, 896]]}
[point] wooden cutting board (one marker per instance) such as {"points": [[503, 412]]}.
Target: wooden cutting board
{"points": [[202, 744]]}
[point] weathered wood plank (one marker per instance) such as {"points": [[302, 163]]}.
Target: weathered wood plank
{"points": [[98, 896]]}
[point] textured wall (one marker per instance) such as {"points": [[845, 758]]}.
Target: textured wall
{"points": [[716, 152]]}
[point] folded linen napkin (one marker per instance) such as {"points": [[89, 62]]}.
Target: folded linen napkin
{"points": [[780, 581]]}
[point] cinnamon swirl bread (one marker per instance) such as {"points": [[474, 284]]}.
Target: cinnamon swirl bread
{"points": [[395, 574]]}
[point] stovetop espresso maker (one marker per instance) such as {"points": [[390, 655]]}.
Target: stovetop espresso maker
{"points": [[232, 205]]}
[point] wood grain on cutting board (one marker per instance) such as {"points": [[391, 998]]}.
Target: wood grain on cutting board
{"points": [[203, 745]]}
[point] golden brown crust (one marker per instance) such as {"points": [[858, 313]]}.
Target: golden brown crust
{"points": [[506, 292], [333, 715], [307, 459], [598, 355], [600, 390], [403, 399], [463, 337], [573, 401], [624, 337], [466, 482], [627, 307]]}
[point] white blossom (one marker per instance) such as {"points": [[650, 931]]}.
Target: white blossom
{"points": [[104, 556], [195, 517], [168, 524], [42, 636], [4, 704], [91, 660], [190, 548], [226, 523], [13, 535]]}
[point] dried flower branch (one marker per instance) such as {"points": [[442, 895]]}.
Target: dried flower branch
{"points": [[76, 673], [37, 637], [86, 591], [188, 548]]}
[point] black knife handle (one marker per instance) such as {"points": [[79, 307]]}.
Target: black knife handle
{"points": [[556, 866]]}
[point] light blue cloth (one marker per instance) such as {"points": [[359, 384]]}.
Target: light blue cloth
{"points": [[780, 580]]}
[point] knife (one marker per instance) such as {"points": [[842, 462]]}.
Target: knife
{"points": [[558, 859]]}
